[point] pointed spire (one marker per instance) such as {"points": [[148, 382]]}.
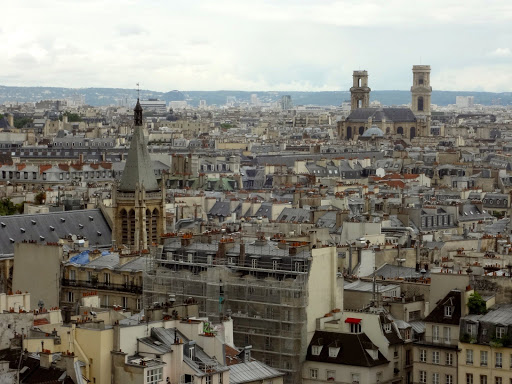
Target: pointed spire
{"points": [[137, 114], [139, 167]]}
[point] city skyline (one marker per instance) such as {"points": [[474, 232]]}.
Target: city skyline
{"points": [[251, 46]]}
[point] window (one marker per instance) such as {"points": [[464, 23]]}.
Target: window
{"points": [[498, 380], [72, 275], [471, 329], [448, 311], [387, 327], [125, 302], [275, 264], [333, 352], [469, 356], [254, 263], [208, 380], [483, 379], [499, 359], [500, 332], [435, 357], [331, 375], [423, 377], [449, 358], [483, 358], [139, 304], [435, 378], [355, 328], [355, 378], [313, 373], [106, 277], [447, 335], [435, 333], [154, 376], [448, 379], [316, 349], [70, 297], [469, 378], [423, 355]]}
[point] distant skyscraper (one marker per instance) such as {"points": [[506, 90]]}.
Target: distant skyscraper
{"points": [[230, 101], [254, 99], [202, 104], [286, 102], [465, 101]]}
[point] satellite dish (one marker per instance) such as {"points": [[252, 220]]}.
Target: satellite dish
{"points": [[73, 237]]}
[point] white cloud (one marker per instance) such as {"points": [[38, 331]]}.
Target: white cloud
{"points": [[501, 52], [253, 44]]}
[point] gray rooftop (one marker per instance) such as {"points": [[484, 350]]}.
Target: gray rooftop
{"points": [[50, 227]]}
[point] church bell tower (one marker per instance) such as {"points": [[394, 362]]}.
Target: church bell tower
{"points": [[138, 201], [421, 92], [359, 92]]}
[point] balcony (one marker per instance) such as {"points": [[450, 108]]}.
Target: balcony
{"points": [[129, 288], [438, 342]]}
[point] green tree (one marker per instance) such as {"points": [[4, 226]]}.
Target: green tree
{"points": [[476, 304], [22, 122], [72, 117], [40, 198], [7, 207]]}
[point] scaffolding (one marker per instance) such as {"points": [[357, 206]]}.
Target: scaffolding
{"points": [[266, 301]]}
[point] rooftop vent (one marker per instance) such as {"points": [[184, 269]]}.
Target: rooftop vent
{"points": [[99, 233], [41, 238], [22, 230], [33, 222], [62, 220], [11, 239], [3, 224], [80, 226], [91, 218], [52, 228]]}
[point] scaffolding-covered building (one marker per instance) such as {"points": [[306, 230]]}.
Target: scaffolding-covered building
{"points": [[274, 291]]}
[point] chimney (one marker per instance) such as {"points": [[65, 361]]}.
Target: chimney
{"points": [[186, 239], [10, 119], [246, 354], [45, 358]]}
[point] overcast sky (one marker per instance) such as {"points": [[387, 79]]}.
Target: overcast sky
{"points": [[301, 45]]}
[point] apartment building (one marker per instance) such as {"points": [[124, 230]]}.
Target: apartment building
{"points": [[486, 348], [273, 291]]}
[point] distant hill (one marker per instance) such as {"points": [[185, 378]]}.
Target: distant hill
{"points": [[115, 96]]}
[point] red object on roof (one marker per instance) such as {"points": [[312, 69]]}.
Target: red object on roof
{"points": [[352, 320], [40, 322]]}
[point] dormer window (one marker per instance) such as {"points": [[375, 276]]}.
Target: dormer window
{"points": [[448, 311], [355, 324], [500, 332], [316, 349], [387, 327], [333, 351]]}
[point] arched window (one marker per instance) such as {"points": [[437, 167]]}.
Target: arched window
{"points": [[131, 227], [361, 130], [400, 131], [420, 80], [148, 226], [359, 103], [420, 103], [154, 226], [412, 133], [349, 133], [388, 130], [124, 226], [359, 82]]}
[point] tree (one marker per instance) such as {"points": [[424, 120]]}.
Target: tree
{"points": [[7, 207], [476, 304], [22, 122], [40, 198], [72, 117]]}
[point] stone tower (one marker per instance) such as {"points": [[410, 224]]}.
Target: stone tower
{"points": [[138, 200], [360, 92], [421, 91]]}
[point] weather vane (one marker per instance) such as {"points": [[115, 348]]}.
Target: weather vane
{"points": [[138, 91]]}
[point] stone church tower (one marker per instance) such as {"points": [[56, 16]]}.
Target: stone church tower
{"points": [[138, 201], [360, 92], [421, 92]]}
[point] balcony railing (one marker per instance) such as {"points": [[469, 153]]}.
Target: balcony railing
{"points": [[438, 342], [131, 288]]}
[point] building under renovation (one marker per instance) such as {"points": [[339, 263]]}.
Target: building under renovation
{"points": [[274, 291]]}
